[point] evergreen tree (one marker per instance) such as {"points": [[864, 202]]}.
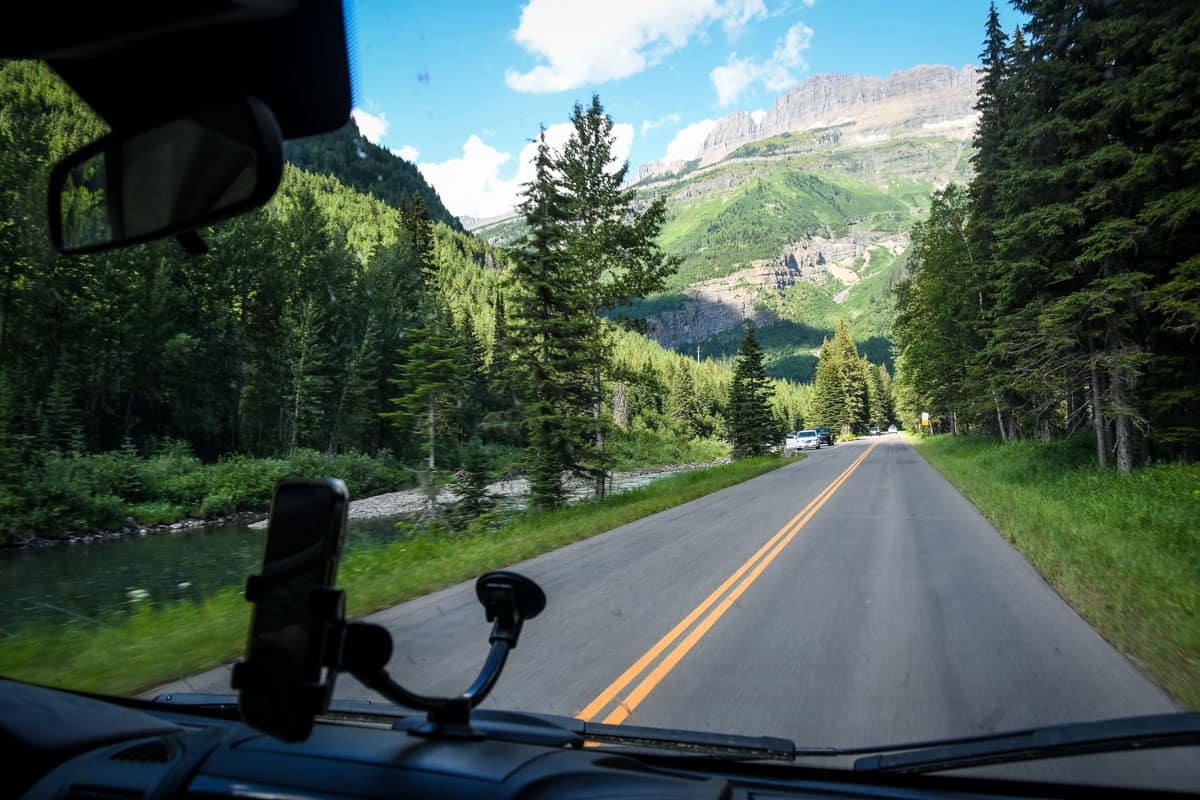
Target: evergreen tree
{"points": [[472, 483], [681, 401], [553, 333], [853, 380], [612, 241], [829, 395], [308, 380], [886, 396], [429, 382], [752, 427]]}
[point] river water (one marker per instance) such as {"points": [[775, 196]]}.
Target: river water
{"points": [[95, 580]]}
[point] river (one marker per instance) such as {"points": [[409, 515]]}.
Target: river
{"points": [[92, 581]]}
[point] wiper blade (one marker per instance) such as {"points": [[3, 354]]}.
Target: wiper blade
{"points": [[1054, 741], [229, 702], [698, 742], [702, 743]]}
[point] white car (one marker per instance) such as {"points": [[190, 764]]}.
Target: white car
{"points": [[804, 440]]}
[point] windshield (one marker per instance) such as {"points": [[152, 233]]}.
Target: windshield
{"points": [[562, 286]]}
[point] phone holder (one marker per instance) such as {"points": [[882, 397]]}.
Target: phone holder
{"points": [[363, 650], [274, 698], [508, 600]]}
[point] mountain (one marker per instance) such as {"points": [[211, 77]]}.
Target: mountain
{"points": [[802, 217], [348, 156]]}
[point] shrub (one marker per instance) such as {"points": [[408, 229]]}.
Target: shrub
{"points": [[155, 512], [219, 503]]}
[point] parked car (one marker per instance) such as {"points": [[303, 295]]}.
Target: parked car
{"points": [[808, 440], [874, 430], [826, 435]]}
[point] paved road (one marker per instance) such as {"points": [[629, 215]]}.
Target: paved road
{"points": [[852, 597]]}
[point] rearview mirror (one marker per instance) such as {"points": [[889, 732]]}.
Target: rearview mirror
{"points": [[175, 176]]}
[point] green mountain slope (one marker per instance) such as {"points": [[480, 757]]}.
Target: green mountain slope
{"points": [[799, 229], [777, 191], [355, 162]]}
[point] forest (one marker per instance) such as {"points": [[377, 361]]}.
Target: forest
{"points": [[1059, 292], [143, 384]]}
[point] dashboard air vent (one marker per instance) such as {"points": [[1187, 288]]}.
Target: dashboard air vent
{"points": [[154, 752], [82, 792]]}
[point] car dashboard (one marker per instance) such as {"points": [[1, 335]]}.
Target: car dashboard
{"points": [[65, 746]]}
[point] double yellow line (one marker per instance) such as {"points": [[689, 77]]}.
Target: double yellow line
{"points": [[754, 566]]}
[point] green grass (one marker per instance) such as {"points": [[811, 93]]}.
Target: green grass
{"points": [[1123, 550], [639, 449], [134, 651]]}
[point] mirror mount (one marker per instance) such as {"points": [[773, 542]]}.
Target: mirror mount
{"points": [[508, 600], [363, 649], [192, 242], [168, 178]]}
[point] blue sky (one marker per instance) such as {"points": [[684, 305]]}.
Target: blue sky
{"points": [[460, 89]]}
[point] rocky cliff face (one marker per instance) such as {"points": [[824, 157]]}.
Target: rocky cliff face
{"points": [[722, 303], [730, 133], [937, 98], [654, 169]]}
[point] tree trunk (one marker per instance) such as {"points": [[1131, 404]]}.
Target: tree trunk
{"points": [[1098, 417], [431, 426], [999, 417], [1121, 424], [620, 406], [602, 477], [954, 423]]}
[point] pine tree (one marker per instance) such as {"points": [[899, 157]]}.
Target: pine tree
{"points": [[751, 425], [612, 241], [988, 158], [306, 372], [886, 396], [681, 400], [553, 334], [416, 220], [429, 382], [472, 483], [853, 380], [829, 395]]}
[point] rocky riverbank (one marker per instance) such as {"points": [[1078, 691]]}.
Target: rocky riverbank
{"points": [[90, 537], [510, 492]]}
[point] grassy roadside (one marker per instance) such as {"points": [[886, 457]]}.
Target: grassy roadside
{"points": [[149, 646], [1123, 550]]}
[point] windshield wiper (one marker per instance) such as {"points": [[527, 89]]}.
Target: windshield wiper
{"points": [[506, 725], [1054, 741], [698, 742]]}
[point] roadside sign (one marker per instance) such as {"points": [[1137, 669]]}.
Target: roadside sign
{"points": [[924, 417]]}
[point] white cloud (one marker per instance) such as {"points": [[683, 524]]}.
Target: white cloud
{"points": [[757, 115], [649, 125], [686, 144], [408, 153], [473, 184], [372, 126], [584, 41], [775, 73]]}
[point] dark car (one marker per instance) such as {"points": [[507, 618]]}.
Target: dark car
{"points": [[826, 435]]}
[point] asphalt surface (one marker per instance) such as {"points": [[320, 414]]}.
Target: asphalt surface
{"points": [[888, 611]]}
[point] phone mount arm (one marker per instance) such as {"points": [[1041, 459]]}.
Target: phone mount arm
{"points": [[363, 650]]}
